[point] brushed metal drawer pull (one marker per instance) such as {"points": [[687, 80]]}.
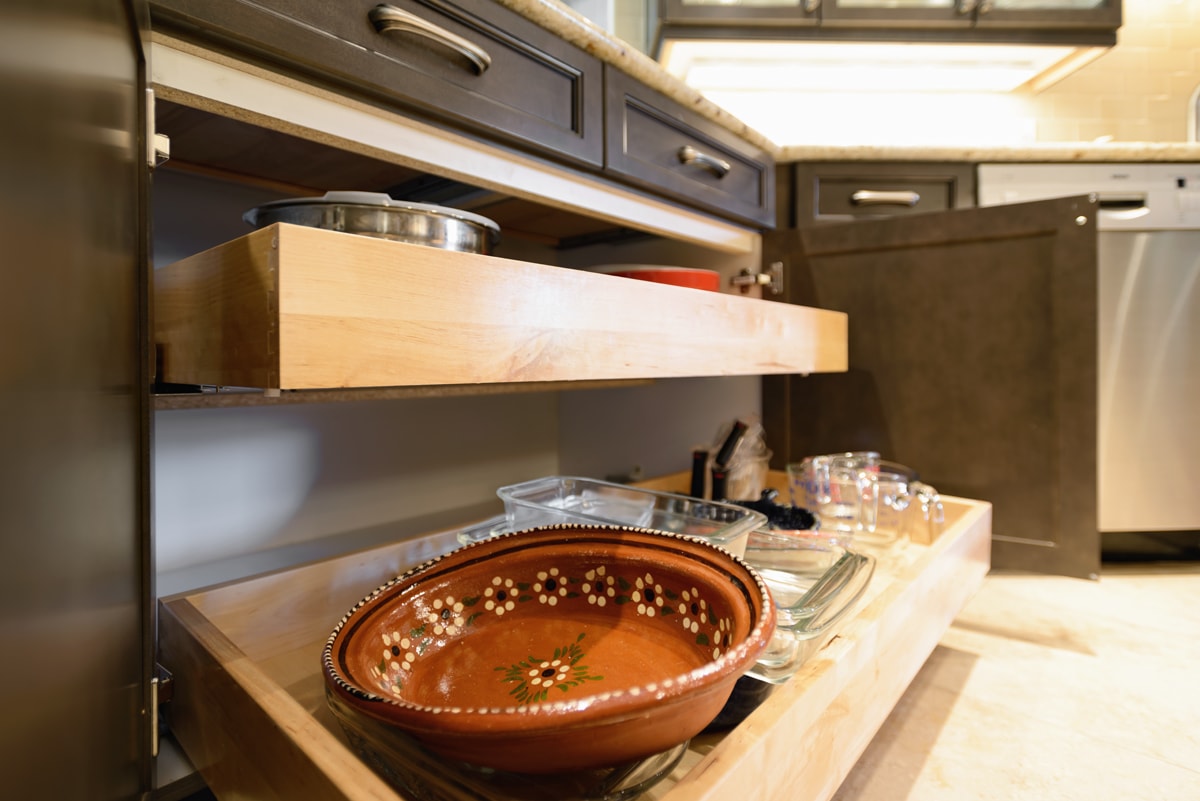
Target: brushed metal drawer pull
{"points": [[389, 19], [718, 167], [874, 197]]}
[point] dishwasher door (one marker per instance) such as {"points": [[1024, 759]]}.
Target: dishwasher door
{"points": [[1149, 373]]}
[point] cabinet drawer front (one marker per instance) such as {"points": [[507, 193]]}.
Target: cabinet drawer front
{"points": [[856, 198], [845, 191], [655, 143], [472, 63]]}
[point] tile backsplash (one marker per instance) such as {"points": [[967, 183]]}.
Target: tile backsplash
{"points": [[1142, 90]]}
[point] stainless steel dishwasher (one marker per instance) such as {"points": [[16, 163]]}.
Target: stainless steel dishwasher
{"points": [[1149, 340]]}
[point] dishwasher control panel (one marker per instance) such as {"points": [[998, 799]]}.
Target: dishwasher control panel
{"points": [[1138, 197]]}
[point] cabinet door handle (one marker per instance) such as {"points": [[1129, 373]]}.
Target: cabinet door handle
{"points": [[690, 155], [965, 7], [811, 5], [875, 197], [389, 19]]}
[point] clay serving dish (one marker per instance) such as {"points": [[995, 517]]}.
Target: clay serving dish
{"points": [[568, 647]]}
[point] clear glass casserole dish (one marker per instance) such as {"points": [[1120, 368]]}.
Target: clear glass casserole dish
{"points": [[569, 499], [815, 581]]}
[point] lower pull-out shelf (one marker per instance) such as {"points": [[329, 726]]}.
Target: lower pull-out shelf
{"points": [[249, 707]]}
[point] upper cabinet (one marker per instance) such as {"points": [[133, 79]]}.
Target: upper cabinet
{"points": [[1087, 14], [1027, 20], [749, 12]]}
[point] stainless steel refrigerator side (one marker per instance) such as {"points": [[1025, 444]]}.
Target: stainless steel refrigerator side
{"points": [[74, 398]]}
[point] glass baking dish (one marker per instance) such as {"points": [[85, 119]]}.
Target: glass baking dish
{"points": [[569, 499], [815, 581]]}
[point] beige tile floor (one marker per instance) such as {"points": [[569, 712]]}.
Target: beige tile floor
{"points": [[1052, 689]]}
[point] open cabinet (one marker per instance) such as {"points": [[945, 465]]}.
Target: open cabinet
{"points": [[286, 316], [972, 358]]}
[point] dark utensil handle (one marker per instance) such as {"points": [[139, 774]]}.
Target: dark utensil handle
{"points": [[699, 465], [730, 444], [719, 477]]}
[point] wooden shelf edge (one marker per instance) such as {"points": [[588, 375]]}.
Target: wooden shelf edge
{"points": [[219, 399], [288, 307]]}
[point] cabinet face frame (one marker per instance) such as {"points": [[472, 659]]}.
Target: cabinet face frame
{"points": [[191, 76]]}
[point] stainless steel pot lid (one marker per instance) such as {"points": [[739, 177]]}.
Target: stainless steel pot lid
{"points": [[380, 215]]}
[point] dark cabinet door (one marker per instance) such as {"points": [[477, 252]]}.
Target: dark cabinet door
{"points": [[74, 404], [972, 350]]}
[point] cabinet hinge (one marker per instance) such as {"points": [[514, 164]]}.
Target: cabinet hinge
{"points": [[772, 279], [162, 687], [158, 146]]}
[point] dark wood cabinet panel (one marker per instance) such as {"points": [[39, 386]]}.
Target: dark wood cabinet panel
{"points": [[949, 14], [972, 347], [656, 143], [1050, 15], [536, 89], [840, 191], [798, 13], [949, 21]]}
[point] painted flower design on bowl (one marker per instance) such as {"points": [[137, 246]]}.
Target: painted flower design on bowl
{"points": [[608, 642]]}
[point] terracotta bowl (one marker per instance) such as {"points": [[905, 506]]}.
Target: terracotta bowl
{"points": [[562, 648]]}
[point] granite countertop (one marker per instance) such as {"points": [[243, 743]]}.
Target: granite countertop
{"points": [[586, 35]]}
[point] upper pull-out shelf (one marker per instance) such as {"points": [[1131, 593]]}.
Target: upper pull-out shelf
{"points": [[289, 307]]}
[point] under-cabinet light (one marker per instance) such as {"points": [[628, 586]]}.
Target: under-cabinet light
{"points": [[805, 66]]}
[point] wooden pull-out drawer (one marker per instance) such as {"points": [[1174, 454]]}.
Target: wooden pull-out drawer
{"points": [[289, 307], [249, 707]]}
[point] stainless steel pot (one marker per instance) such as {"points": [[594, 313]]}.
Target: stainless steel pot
{"points": [[379, 215]]}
